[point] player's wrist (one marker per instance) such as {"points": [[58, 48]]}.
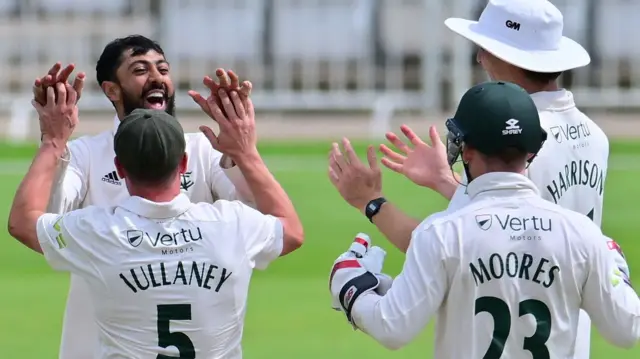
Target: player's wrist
{"points": [[447, 186], [373, 207], [248, 159], [53, 145]]}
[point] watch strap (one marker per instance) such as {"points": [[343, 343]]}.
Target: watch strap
{"points": [[373, 207]]}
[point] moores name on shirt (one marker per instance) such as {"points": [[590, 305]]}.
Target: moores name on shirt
{"points": [[515, 266], [203, 275]]}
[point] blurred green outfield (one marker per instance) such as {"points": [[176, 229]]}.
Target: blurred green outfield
{"points": [[289, 313]]}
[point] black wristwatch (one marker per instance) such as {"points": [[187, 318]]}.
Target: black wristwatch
{"points": [[373, 207]]}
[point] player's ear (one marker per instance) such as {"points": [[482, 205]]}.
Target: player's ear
{"points": [[111, 90], [467, 154], [119, 168], [182, 167]]}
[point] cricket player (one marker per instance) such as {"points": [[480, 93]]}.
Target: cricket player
{"points": [[519, 41], [133, 72], [167, 277], [506, 274]]}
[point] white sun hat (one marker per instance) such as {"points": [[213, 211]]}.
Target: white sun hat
{"points": [[523, 33]]}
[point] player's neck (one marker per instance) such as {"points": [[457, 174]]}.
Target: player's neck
{"points": [[155, 194], [120, 112], [532, 88]]}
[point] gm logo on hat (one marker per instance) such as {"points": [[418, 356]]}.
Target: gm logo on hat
{"points": [[513, 25]]}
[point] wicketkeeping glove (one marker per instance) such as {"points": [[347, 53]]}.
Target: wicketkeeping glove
{"points": [[357, 272]]}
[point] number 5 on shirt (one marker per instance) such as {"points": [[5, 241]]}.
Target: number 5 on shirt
{"points": [[167, 338]]}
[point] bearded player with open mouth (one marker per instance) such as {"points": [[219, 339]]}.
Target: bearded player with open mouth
{"points": [[133, 73]]}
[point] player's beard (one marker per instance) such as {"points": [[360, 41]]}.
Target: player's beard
{"points": [[131, 102]]}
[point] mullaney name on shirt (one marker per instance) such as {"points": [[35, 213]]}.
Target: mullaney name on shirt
{"points": [[203, 275]]}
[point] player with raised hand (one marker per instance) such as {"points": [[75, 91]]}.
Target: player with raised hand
{"points": [[522, 42], [133, 73], [167, 278], [507, 274]]}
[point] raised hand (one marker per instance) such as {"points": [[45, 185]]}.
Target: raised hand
{"points": [[426, 165], [59, 117], [57, 74], [227, 80], [237, 137], [356, 182]]}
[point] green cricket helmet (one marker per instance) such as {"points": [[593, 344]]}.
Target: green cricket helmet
{"points": [[492, 117]]}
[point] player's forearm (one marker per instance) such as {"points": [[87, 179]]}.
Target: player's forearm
{"points": [[58, 202], [241, 188], [447, 187], [270, 198], [396, 225], [619, 320], [367, 316], [32, 196]]}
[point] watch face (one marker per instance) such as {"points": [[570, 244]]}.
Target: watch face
{"points": [[373, 207]]}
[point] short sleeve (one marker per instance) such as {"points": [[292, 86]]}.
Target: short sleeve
{"points": [[221, 185], [263, 236], [61, 241]]}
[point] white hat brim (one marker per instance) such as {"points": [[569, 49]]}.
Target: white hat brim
{"points": [[569, 55]]}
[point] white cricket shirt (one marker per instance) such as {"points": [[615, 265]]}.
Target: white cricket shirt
{"points": [[570, 170], [88, 177], [506, 274], [165, 278]]}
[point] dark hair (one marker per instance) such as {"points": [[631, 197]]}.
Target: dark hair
{"points": [[542, 78], [509, 157], [111, 56]]}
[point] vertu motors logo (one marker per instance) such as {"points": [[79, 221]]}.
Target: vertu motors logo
{"points": [[134, 237], [484, 221]]}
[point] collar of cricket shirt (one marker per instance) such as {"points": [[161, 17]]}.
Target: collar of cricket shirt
{"points": [[560, 100], [157, 210], [498, 184]]}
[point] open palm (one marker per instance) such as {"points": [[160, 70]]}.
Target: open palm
{"points": [[425, 165]]}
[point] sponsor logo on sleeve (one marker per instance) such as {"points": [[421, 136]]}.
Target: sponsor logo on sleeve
{"points": [[59, 238]]}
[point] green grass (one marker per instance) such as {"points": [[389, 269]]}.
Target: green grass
{"points": [[289, 313]]}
